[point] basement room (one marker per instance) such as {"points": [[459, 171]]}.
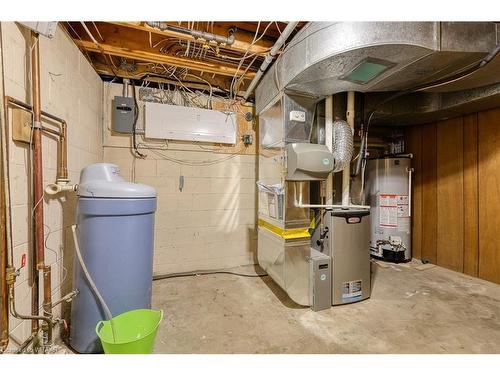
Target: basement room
{"points": [[265, 183]]}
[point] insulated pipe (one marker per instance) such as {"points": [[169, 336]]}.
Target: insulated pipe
{"points": [[269, 58], [346, 172], [196, 34]]}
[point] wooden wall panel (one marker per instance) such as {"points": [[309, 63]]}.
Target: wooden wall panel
{"points": [[414, 146], [471, 209], [449, 185], [489, 194], [456, 195], [429, 193]]}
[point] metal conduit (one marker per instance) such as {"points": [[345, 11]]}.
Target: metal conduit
{"points": [[209, 37], [269, 58]]}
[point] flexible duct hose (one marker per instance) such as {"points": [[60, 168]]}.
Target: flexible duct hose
{"points": [[342, 144]]}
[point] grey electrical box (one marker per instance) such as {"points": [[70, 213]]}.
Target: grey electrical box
{"points": [[123, 114], [321, 283], [308, 162]]}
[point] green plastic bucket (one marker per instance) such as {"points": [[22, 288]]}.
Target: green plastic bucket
{"points": [[132, 332]]}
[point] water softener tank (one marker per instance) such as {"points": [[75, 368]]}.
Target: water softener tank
{"points": [[115, 223]]}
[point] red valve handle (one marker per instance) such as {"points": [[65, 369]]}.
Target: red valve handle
{"points": [[23, 261]]}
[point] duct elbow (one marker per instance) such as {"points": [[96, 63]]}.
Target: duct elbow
{"points": [[342, 144]]}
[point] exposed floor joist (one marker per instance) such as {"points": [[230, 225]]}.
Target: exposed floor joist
{"points": [[199, 66], [139, 51], [242, 43]]}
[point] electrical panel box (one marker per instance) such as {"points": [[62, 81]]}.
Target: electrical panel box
{"points": [[176, 122], [308, 162], [123, 114], [321, 283]]}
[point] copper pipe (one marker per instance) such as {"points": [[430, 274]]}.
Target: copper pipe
{"points": [[4, 319], [47, 303], [62, 167], [37, 153], [4, 248], [25, 344], [38, 197], [62, 134], [16, 314]]}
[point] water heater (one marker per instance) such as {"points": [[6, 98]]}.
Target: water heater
{"points": [[389, 196]]}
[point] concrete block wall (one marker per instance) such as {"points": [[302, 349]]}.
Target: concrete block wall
{"points": [[70, 89], [211, 223]]}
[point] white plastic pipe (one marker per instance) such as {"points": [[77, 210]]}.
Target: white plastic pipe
{"points": [[329, 144], [298, 203], [88, 277], [269, 58], [56, 188], [332, 206]]}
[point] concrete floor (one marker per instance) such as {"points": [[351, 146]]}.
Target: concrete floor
{"points": [[410, 311]]}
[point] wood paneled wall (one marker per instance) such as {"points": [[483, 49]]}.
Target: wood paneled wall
{"points": [[456, 193]]}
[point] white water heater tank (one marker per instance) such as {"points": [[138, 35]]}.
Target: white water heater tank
{"points": [[389, 197]]}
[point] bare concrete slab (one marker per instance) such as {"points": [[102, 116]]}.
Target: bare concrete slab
{"points": [[410, 311]]}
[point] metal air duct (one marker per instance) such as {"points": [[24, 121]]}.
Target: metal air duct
{"points": [[330, 57]]}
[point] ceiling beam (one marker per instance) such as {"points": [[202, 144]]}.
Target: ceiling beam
{"points": [[159, 58], [241, 44], [190, 81]]}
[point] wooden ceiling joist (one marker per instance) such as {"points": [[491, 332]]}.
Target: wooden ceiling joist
{"points": [[142, 73], [159, 58], [242, 43]]}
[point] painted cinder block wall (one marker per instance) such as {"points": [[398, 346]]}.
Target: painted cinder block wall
{"points": [[211, 223], [72, 90]]}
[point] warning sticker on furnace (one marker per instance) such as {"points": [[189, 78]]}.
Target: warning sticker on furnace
{"points": [[352, 291]]}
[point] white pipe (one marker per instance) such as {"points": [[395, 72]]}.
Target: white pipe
{"points": [[346, 174], [298, 203], [88, 277], [269, 58], [410, 171], [329, 144], [332, 206], [59, 187], [89, 33]]}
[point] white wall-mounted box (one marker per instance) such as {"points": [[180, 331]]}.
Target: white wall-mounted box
{"points": [[174, 122], [47, 29]]}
